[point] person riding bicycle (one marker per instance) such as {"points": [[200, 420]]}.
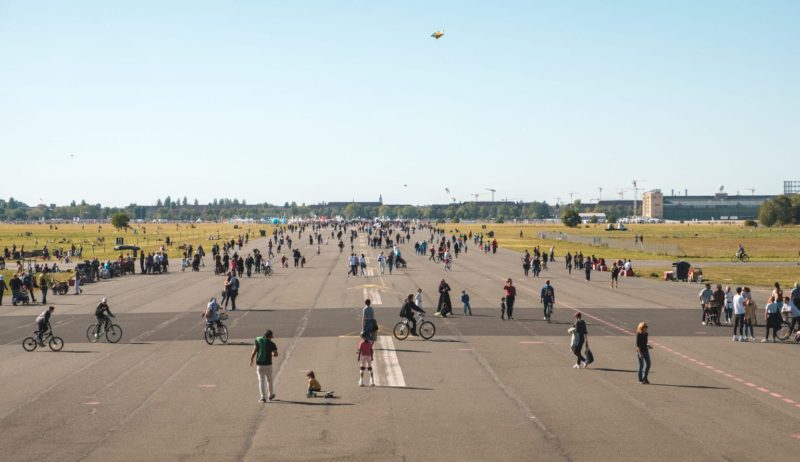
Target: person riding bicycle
{"points": [[740, 252], [407, 312], [211, 313], [43, 323], [548, 297], [103, 320]]}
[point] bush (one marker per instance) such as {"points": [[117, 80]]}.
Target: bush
{"points": [[752, 223], [571, 218]]}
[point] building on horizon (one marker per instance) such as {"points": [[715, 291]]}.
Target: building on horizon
{"points": [[791, 187], [720, 206]]}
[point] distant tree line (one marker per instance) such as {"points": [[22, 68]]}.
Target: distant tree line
{"points": [[780, 210], [226, 208]]}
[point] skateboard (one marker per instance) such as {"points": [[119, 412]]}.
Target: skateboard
{"points": [[321, 394]]}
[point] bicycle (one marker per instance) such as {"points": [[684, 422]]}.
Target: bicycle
{"points": [[785, 330], [425, 329], [55, 343], [112, 332], [267, 270], [743, 257], [216, 330]]}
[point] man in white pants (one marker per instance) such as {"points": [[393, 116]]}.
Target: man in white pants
{"points": [[263, 352]]}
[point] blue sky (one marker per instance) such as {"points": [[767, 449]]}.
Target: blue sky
{"points": [[332, 101]]}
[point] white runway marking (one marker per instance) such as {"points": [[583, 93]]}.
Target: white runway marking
{"points": [[373, 294], [389, 373]]}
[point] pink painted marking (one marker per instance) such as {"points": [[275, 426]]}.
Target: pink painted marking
{"points": [[776, 395], [762, 389], [752, 385], [531, 342], [787, 400], [207, 385], [92, 403], [796, 436]]}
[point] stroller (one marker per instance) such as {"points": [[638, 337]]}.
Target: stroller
{"points": [[400, 262], [711, 316], [19, 296]]}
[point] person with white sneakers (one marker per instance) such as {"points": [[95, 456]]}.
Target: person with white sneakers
{"points": [[364, 356], [738, 315]]}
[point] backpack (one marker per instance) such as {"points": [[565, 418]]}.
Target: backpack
{"points": [[235, 284]]}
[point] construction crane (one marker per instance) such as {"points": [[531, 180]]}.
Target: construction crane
{"points": [[475, 195], [492, 191], [752, 191]]}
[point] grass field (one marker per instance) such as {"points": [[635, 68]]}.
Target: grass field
{"points": [[98, 240], [696, 242]]}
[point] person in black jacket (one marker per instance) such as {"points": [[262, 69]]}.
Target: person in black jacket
{"points": [[409, 307], [642, 353]]}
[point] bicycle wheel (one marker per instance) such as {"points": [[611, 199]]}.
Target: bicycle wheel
{"points": [[56, 343], [734, 259], [114, 333], [426, 330], [401, 331], [209, 335], [91, 332], [784, 331], [549, 313], [223, 333], [29, 344], [745, 258]]}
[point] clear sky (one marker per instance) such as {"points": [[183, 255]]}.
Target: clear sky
{"points": [[122, 102]]}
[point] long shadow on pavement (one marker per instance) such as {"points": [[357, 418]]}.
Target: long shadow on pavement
{"points": [[703, 387], [606, 369], [307, 403]]}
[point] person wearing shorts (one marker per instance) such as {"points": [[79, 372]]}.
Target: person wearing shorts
{"points": [[364, 356]]}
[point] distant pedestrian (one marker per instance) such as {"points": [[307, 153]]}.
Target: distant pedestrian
{"points": [[510, 293], [3, 288], [728, 305], [642, 353], [465, 301], [579, 338], [44, 284], [502, 307], [587, 269], [369, 326], [263, 352], [738, 312], [418, 298], [773, 315], [615, 276]]}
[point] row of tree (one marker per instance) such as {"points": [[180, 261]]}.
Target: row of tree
{"points": [[780, 210], [225, 208]]}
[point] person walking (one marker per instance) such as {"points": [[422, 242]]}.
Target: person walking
{"points": [[615, 276], [773, 314], [3, 288], [642, 353], [579, 337], [418, 298], [587, 269], [263, 352], [232, 288], [44, 284], [369, 326], [749, 314], [465, 301], [510, 293], [705, 297], [364, 356]]}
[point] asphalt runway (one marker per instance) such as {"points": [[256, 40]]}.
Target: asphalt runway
{"points": [[482, 389]]}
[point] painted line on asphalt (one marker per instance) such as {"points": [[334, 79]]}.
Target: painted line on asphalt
{"points": [[373, 294], [390, 374]]}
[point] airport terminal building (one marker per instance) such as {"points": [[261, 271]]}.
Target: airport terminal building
{"points": [[720, 206]]}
